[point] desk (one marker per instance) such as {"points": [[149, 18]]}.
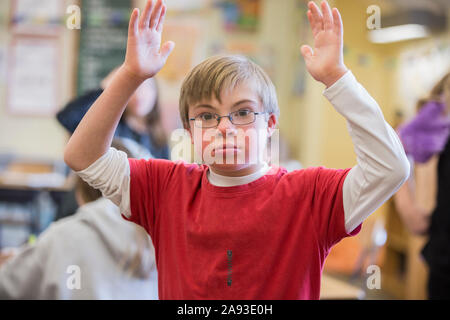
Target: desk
{"points": [[26, 196], [66, 187], [335, 289]]}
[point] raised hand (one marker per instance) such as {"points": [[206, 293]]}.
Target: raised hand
{"points": [[145, 55], [325, 62]]}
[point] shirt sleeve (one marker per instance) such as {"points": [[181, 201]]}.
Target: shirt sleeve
{"points": [[111, 175], [148, 180], [382, 166], [327, 204]]}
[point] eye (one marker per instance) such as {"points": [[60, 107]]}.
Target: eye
{"points": [[205, 116], [242, 113]]}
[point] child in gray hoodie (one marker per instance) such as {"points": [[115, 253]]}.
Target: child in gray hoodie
{"points": [[94, 254]]}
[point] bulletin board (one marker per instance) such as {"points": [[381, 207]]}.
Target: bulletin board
{"points": [[33, 69], [33, 76], [241, 15], [31, 16], [103, 40]]}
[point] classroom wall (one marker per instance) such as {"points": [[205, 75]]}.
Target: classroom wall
{"points": [[308, 122], [430, 61], [42, 137], [31, 136]]}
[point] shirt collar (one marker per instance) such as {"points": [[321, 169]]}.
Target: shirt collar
{"points": [[224, 181]]}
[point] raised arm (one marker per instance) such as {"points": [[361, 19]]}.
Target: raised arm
{"points": [[382, 166], [144, 58]]}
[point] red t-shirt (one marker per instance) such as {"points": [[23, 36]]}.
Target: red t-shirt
{"points": [[264, 240]]}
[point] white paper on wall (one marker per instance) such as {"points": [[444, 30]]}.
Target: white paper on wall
{"points": [[33, 76]]}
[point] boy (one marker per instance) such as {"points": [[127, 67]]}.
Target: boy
{"points": [[239, 229]]}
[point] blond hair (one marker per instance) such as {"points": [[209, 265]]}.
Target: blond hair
{"points": [[209, 78]]}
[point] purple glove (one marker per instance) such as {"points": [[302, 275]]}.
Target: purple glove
{"points": [[427, 133]]}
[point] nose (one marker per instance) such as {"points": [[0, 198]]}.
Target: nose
{"points": [[225, 126]]}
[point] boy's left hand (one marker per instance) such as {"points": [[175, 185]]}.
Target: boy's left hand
{"points": [[326, 62]]}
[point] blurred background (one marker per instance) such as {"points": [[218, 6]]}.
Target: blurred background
{"points": [[51, 53]]}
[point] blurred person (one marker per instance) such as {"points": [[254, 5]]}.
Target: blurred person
{"points": [[140, 122], [115, 258], [424, 202]]}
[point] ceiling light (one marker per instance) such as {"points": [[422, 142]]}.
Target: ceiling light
{"points": [[399, 33]]}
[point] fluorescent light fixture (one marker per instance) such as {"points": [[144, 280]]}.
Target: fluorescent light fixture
{"points": [[399, 33]]}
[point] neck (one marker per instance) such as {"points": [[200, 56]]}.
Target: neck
{"points": [[227, 180]]}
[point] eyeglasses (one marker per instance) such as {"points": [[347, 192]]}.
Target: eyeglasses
{"points": [[239, 118]]}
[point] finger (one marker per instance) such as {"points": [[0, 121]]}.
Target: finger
{"points": [[155, 15], [307, 52], [314, 25], [161, 19], [338, 27], [327, 17], [166, 49], [146, 15], [133, 27], [316, 15]]}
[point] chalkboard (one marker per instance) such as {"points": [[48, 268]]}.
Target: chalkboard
{"points": [[103, 39]]}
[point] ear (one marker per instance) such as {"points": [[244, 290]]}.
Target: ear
{"points": [[271, 124]]}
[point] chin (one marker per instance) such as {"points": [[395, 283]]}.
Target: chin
{"points": [[229, 168]]}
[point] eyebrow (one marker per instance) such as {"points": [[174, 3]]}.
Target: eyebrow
{"points": [[234, 105]]}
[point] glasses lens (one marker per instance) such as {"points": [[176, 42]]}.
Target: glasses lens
{"points": [[205, 120], [242, 117]]}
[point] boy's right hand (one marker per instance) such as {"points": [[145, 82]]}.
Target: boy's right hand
{"points": [[145, 55]]}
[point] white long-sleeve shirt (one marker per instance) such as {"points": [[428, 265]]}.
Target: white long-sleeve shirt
{"points": [[382, 166]]}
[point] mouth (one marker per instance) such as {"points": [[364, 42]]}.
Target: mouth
{"points": [[227, 148]]}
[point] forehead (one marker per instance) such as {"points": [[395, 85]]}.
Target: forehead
{"points": [[244, 90]]}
